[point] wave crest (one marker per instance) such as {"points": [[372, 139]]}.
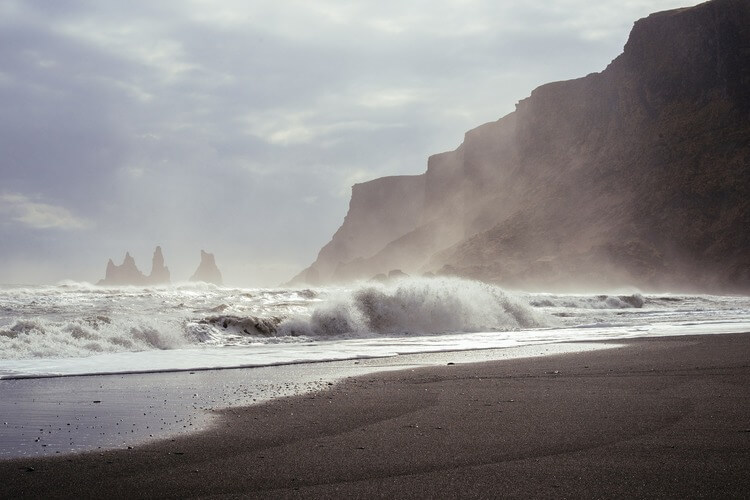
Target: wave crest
{"points": [[634, 301], [42, 338], [416, 306]]}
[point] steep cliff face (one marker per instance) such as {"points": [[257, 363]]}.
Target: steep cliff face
{"points": [[639, 174], [636, 175], [380, 211]]}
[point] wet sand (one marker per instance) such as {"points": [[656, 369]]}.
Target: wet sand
{"points": [[71, 414], [666, 417]]}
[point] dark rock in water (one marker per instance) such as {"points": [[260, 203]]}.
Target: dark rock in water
{"points": [[635, 176], [159, 272], [207, 270], [635, 300], [128, 273], [250, 325], [393, 274]]}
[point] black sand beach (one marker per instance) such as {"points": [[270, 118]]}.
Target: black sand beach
{"points": [[663, 417]]}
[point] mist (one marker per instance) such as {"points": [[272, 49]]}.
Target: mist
{"points": [[241, 130]]}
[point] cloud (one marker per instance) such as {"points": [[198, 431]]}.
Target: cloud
{"points": [[37, 215], [240, 126], [288, 127]]}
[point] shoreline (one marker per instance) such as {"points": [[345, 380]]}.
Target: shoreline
{"points": [[662, 416], [282, 364], [189, 360], [68, 414]]}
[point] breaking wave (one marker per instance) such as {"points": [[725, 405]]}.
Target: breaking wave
{"points": [[78, 320], [43, 338], [634, 301], [72, 320], [416, 306], [103, 329]]}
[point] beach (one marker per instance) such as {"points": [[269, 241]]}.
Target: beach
{"points": [[659, 417]]}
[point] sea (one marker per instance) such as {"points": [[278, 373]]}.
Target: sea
{"points": [[75, 328]]}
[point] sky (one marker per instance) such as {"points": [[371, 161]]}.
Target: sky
{"points": [[239, 127]]}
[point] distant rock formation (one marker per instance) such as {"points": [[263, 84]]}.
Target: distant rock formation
{"points": [[207, 270], [128, 273], [638, 175], [159, 272]]}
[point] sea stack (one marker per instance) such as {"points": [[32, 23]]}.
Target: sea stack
{"points": [[207, 271], [126, 273], [159, 272]]}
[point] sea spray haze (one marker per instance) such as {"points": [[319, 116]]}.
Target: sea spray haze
{"points": [[80, 328]]}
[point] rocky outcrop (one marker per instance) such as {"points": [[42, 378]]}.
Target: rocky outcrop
{"points": [[128, 273], [207, 270], [638, 175], [159, 272]]}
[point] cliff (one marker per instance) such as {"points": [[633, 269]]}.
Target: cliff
{"points": [[379, 212], [207, 271], [638, 175]]}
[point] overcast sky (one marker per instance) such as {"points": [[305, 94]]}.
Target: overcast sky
{"points": [[238, 127]]}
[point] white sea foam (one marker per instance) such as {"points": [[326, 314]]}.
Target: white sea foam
{"points": [[44, 338], [205, 325], [416, 306], [634, 301]]}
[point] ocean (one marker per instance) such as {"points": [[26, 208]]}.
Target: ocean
{"points": [[80, 329]]}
